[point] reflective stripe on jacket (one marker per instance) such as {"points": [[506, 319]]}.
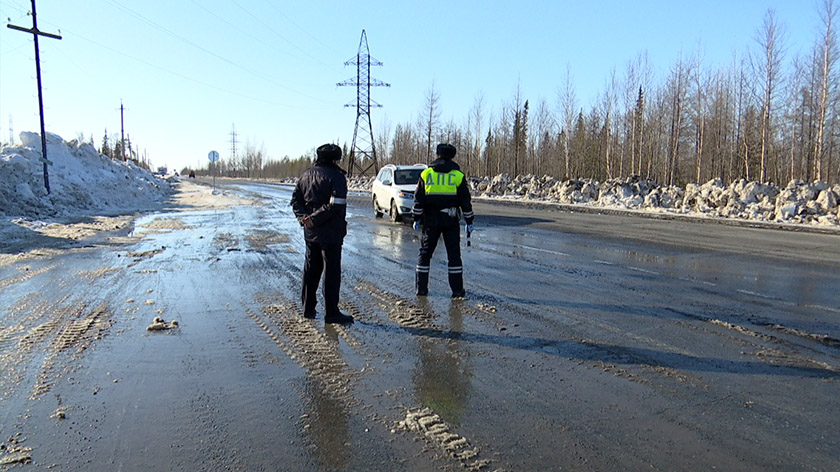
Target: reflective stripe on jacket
{"points": [[321, 195]]}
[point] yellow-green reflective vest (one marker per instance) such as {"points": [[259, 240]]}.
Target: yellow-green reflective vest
{"points": [[442, 183]]}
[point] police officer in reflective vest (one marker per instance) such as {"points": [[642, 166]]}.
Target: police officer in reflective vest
{"points": [[320, 204], [441, 198]]}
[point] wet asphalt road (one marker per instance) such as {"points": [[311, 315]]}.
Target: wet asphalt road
{"points": [[588, 342]]}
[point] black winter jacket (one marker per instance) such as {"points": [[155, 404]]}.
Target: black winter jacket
{"points": [[321, 195]]}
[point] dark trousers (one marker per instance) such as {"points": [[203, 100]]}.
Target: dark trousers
{"points": [[320, 258], [451, 239]]}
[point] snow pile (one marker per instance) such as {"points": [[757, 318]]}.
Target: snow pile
{"points": [[799, 202], [82, 182]]}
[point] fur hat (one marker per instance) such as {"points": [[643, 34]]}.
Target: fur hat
{"points": [[329, 152], [446, 151]]}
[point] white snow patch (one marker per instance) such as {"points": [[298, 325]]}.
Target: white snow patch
{"points": [[82, 182]]}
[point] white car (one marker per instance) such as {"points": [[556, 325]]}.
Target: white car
{"points": [[393, 190]]}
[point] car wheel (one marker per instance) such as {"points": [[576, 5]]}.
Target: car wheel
{"points": [[395, 215], [376, 211]]}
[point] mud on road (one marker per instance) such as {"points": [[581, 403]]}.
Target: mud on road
{"points": [[573, 351]]}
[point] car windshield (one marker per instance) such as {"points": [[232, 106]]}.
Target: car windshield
{"points": [[407, 176]]}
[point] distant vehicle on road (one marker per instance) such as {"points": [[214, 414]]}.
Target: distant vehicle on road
{"points": [[393, 190]]}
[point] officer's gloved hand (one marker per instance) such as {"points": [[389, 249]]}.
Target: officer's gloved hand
{"points": [[416, 225]]}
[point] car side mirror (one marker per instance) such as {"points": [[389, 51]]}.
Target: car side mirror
{"points": [[386, 182]]}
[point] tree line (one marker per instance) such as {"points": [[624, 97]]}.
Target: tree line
{"points": [[766, 117], [112, 146]]}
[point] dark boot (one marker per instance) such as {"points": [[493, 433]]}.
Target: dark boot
{"points": [[422, 283], [456, 283], [338, 318]]}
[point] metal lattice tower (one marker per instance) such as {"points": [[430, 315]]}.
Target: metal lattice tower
{"points": [[363, 151], [233, 143]]}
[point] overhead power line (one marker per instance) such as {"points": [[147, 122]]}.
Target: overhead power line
{"points": [[174, 34]]}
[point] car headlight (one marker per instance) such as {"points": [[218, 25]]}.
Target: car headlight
{"points": [[406, 194]]}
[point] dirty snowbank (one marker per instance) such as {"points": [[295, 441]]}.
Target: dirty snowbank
{"points": [[802, 203], [82, 181]]}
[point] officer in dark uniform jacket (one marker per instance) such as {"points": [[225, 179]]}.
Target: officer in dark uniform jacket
{"points": [[441, 198], [320, 204]]}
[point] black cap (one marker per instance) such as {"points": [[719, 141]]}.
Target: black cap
{"points": [[329, 152], [446, 151]]}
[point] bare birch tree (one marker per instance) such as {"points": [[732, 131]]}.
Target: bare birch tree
{"points": [[475, 124], [677, 87], [541, 142], [701, 93], [826, 52], [767, 69], [431, 116], [608, 105], [383, 137], [568, 108]]}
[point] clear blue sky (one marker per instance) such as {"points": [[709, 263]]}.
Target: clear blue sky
{"points": [[189, 70]]}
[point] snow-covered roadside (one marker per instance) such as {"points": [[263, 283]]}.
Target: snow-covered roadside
{"points": [[82, 181], [806, 205], [90, 194]]}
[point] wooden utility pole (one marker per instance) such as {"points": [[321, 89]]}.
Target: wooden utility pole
{"points": [[35, 33], [122, 131]]}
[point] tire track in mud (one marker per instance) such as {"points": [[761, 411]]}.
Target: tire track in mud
{"points": [[35, 321], [26, 274], [78, 334], [308, 347], [423, 421], [54, 330], [15, 323], [311, 349], [775, 350], [37, 254], [820, 338], [100, 273], [330, 380], [433, 429], [404, 312]]}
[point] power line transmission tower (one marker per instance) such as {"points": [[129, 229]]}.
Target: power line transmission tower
{"points": [[233, 147], [35, 33], [363, 150]]}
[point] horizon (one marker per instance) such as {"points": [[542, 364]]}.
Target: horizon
{"points": [[189, 74]]}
